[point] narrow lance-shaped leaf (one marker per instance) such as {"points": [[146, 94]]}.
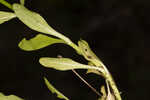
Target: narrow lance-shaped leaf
{"points": [[38, 42], [54, 90], [6, 16], [36, 22], [64, 64], [9, 97]]}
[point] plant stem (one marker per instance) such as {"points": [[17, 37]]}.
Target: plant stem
{"points": [[5, 3], [75, 47], [114, 87], [106, 73], [112, 83]]}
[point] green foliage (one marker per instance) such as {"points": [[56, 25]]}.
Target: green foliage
{"points": [[32, 19], [36, 22], [9, 97], [6, 16], [64, 64], [38, 42], [54, 90]]}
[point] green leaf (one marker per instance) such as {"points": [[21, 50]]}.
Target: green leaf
{"points": [[9, 97], [6, 16], [36, 22], [32, 19], [54, 90], [38, 42], [64, 64]]}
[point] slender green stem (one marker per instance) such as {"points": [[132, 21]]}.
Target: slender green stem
{"points": [[114, 87], [5, 3], [75, 47], [112, 83]]}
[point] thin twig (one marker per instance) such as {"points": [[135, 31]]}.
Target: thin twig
{"points": [[93, 89]]}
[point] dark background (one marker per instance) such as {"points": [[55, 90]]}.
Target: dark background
{"points": [[117, 31]]}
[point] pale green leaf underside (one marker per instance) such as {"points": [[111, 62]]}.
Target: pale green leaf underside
{"points": [[54, 90], [9, 97], [38, 42], [64, 64], [36, 22], [6, 16]]}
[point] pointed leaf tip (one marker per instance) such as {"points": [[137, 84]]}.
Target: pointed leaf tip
{"points": [[54, 90]]}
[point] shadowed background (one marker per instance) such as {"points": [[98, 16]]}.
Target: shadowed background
{"points": [[117, 31]]}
